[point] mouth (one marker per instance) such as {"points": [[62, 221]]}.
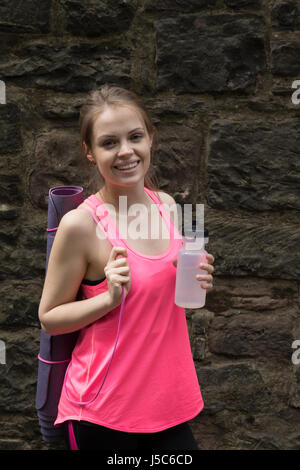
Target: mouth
{"points": [[129, 168]]}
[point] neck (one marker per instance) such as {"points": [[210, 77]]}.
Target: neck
{"points": [[134, 194]]}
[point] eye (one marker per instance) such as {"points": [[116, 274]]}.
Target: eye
{"points": [[108, 143], [137, 136], [111, 143]]}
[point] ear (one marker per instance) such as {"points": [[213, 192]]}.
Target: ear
{"points": [[87, 152]]}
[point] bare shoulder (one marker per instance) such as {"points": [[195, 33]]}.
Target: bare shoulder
{"points": [[166, 198], [77, 221], [170, 205]]}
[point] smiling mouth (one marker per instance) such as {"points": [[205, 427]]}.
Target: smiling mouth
{"points": [[128, 167]]}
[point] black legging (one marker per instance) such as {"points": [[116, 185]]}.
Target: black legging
{"points": [[91, 436]]}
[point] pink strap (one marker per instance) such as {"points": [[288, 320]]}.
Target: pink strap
{"points": [[110, 230], [73, 443], [173, 230], [51, 229], [117, 337], [92, 213], [153, 196], [52, 362]]}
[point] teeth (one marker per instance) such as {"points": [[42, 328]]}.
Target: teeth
{"points": [[127, 166]]}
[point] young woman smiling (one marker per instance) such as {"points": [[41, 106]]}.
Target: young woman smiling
{"points": [[151, 390]]}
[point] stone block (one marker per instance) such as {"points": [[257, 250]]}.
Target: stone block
{"points": [[284, 58], [198, 328], [258, 159], [209, 53], [31, 16], [19, 263], [250, 335], [11, 189], [23, 256], [58, 162], [264, 247], [276, 430], [285, 15], [18, 376], [7, 212], [94, 19], [19, 304], [60, 107], [235, 295], [71, 68], [235, 387], [10, 131], [177, 161]]}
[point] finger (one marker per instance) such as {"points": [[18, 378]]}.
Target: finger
{"points": [[210, 259], [122, 270], [116, 278], [110, 270], [204, 277], [175, 262], [206, 285], [118, 262], [209, 287], [207, 267], [117, 251]]}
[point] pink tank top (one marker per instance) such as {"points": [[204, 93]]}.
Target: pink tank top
{"points": [[152, 383]]}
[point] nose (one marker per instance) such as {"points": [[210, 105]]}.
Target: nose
{"points": [[125, 149]]}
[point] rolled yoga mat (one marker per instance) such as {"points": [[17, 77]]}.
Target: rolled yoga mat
{"points": [[55, 351]]}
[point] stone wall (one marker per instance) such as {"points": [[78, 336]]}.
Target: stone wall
{"points": [[216, 76]]}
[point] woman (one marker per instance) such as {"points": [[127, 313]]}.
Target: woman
{"points": [[145, 399]]}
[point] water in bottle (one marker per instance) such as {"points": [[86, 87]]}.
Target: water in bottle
{"points": [[188, 290]]}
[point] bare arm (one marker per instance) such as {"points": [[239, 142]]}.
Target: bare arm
{"points": [[59, 311]]}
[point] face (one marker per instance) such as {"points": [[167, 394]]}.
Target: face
{"points": [[121, 145]]}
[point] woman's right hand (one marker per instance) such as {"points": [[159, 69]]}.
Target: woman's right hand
{"points": [[117, 272]]}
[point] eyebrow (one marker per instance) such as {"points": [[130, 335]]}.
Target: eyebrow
{"points": [[111, 135]]}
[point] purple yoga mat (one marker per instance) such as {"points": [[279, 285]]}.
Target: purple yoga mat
{"points": [[62, 199]]}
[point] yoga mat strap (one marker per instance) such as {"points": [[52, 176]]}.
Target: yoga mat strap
{"points": [[52, 362]]}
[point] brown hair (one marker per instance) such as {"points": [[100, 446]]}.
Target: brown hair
{"points": [[115, 96]]}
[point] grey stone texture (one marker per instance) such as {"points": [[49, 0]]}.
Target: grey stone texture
{"points": [[31, 16], [93, 19], [210, 53], [217, 79], [68, 68], [261, 173]]}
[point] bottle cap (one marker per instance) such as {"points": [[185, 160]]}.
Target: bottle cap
{"points": [[193, 233], [195, 240]]}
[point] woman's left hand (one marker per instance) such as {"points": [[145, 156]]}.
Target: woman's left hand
{"points": [[207, 278]]}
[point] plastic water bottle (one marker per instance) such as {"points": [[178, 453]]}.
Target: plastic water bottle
{"points": [[188, 290]]}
